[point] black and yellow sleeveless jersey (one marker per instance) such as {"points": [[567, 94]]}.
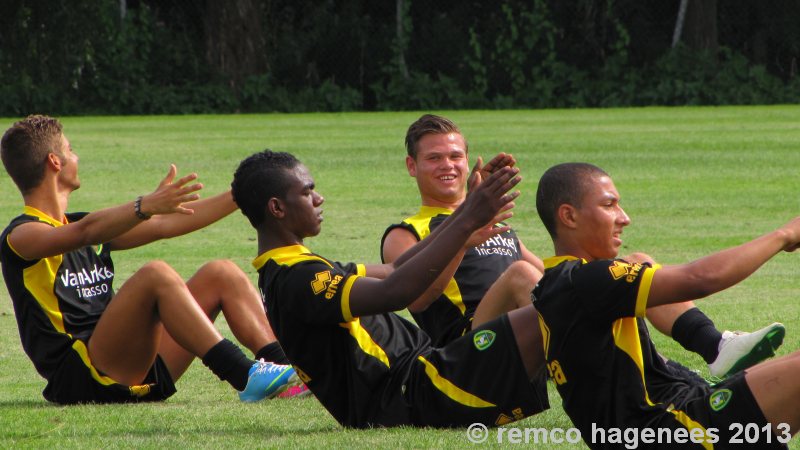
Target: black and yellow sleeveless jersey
{"points": [[450, 315], [598, 350], [346, 361], [57, 300]]}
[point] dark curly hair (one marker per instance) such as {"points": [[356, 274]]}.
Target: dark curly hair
{"points": [[258, 178]]}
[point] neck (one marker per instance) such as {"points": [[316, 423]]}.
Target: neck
{"points": [[563, 248], [269, 239], [49, 201], [451, 204]]}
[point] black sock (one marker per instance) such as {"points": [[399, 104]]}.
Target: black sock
{"points": [[272, 353], [229, 363], [697, 333]]}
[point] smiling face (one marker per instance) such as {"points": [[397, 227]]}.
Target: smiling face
{"points": [[441, 168], [302, 205], [599, 220]]}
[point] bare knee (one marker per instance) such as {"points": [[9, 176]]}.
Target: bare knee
{"points": [[522, 275], [160, 272], [640, 258], [220, 270]]}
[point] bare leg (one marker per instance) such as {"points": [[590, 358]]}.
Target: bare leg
{"points": [[510, 291], [776, 388], [525, 324], [663, 317], [222, 286], [129, 332]]}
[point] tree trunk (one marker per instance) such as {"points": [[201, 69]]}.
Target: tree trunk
{"points": [[235, 44], [700, 26]]}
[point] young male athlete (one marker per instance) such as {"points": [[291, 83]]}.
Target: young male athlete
{"points": [[597, 347], [367, 365], [92, 345], [460, 298]]}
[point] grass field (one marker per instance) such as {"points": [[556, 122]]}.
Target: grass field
{"points": [[693, 180]]}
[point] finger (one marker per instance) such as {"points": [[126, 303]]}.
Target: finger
{"points": [[185, 211], [494, 231], [188, 198], [510, 197], [475, 175], [478, 165], [189, 189], [186, 179], [170, 176], [495, 163], [502, 180], [503, 217]]}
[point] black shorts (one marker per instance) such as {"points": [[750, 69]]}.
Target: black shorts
{"points": [[74, 382], [478, 378], [731, 410]]}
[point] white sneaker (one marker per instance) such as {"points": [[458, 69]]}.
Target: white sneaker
{"points": [[739, 350]]}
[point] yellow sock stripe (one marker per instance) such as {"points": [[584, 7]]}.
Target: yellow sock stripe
{"points": [[451, 390]]}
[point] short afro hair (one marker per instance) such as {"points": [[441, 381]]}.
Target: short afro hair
{"points": [[560, 184], [259, 178]]}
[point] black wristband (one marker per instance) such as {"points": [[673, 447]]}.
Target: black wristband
{"points": [[137, 208]]}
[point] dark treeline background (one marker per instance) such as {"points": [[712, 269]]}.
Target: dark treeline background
{"points": [[204, 56]]}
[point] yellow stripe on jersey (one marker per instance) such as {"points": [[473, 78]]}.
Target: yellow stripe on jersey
{"points": [[287, 256], [39, 279], [626, 337], [365, 341], [346, 313], [545, 335], [361, 270], [690, 425], [644, 289], [451, 390], [83, 352], [31, 211], [421, 222], [553, 261], [453, 293]]}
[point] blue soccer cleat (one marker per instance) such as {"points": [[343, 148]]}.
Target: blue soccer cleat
{"points": [[267, 380]]}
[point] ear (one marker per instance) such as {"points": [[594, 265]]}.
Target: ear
{"points": [[276, 208], [54, 162], [567, 216], [411, 165]]}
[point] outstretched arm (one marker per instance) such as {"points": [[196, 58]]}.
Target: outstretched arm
{"points": [[205, 212], [721, 270], [36, 240], [426, 260]]}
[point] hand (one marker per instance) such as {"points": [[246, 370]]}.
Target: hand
{"points": [[792, 232], [480, 172], [492, 197], [169, 196], [483, 234]]}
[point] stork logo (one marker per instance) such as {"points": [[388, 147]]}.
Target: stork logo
{"points": [[483, 339]]}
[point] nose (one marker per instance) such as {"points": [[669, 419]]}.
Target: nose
{"points": [[318, 199], [623, 218]]}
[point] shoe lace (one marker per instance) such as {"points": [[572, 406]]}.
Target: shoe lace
{"points": [[268, 367]]}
